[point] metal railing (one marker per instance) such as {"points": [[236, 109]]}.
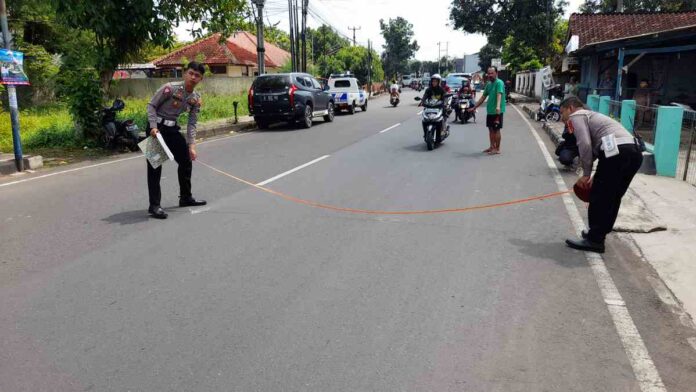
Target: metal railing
{"points": [[645, 122], [615, 110], [686, 163]]}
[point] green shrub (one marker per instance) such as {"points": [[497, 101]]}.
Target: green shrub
{"points": [[52, 126]]}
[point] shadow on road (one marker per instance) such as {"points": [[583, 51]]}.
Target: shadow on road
{"points": [[556, 251], [128, 217]]}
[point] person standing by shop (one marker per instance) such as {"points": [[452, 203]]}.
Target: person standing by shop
{"points": [[163, 111], [495, 108], [619, 155]]}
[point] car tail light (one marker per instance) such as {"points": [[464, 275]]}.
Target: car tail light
{"points": [[291, 94], [251, 98]]}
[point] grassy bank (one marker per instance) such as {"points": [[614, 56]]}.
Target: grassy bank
{"points": [[52, 126]]}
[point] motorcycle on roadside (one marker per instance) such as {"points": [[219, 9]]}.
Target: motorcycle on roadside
{"points": [[118, 135]]}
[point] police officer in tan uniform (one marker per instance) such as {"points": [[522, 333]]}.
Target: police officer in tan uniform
{"points": [[163, 111]]}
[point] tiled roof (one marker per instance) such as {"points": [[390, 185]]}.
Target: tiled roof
{"points": [[239, 49], [243, 47], [596, 28]]}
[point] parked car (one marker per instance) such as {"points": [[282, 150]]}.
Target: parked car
{"points": [[293, 97], [405, 81], [347, 94]]}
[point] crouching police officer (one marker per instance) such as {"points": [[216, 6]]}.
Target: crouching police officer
{"points": [[164, 109], [620, 156]]}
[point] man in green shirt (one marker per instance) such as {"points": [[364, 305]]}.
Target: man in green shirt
{"points": [[495, 108]]}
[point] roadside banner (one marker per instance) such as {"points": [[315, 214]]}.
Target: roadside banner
{"points": [[12, 68]]}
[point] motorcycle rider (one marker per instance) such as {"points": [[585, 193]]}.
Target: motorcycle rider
{"points": [[434, 90], [466, 91], [394, 89]]}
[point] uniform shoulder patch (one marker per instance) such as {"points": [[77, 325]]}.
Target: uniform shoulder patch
{"points": [[167, 90]]}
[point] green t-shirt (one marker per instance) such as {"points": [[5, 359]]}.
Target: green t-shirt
{"points": [[491, 91]]}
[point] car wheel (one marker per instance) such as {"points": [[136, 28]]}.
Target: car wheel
{"points": [[351, 110], [330, 117], [364, 107], [261, 124], [306, 121]]}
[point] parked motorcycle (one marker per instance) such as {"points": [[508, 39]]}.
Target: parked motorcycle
{"points": [[118, 135], [434, 121], [550, 109]]}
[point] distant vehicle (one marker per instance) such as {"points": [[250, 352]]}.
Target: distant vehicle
{"points": [[294, 97], [406, 81], [456, 80], [347, 94]]}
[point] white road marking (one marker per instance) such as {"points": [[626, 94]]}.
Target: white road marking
{"points": [[102, 164], [390, 128], [692, 342], [643, 366], [195, 211], [281, 175]]}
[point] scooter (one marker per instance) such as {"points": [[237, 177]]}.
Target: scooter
{"points": [[462, 109], [118, 135], [434, 121], [550, 108], [394, 99]]}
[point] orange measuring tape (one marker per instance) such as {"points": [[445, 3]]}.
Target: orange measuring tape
{"points": [[380, 212]]}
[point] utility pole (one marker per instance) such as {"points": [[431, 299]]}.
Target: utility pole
{"points": [[298, 54], [292, 36], [305, 5], [369, 68], [447, 56], [354, 28], [439, 70], [619, 6], [260, 50], [12, 94]]}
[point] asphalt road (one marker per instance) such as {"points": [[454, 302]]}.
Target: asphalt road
{"points": [[257, 293]]}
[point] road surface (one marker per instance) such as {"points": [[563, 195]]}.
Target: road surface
{"points": [[259, 293]]}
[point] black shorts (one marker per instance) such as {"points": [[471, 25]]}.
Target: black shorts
{"points": [[491, 121]]}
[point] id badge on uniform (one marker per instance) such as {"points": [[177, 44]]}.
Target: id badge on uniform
{"points": [[609, 146]]}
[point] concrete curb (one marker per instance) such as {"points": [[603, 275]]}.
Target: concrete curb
{"points": [[220, 127], [31, 162]]}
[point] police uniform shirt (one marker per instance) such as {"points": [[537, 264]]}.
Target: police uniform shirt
{"points": [[589, 127], [169, 102]]}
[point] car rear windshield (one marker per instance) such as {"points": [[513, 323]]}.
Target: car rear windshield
{"points": [[342, 83], [274, 82]]}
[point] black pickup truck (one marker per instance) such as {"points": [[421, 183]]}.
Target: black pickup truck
{"points": [[294, 97]]}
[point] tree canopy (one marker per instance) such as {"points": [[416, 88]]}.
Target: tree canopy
{"points": [[398, 47], [593, 6]]}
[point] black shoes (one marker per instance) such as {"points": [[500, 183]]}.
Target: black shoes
{"points": [[584, 234], [191, 202], [157, 212], [586, 245]]}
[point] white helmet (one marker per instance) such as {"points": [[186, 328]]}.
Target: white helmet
{"points": [[436, 76]]}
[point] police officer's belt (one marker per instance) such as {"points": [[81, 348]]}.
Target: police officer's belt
{"points": [[625, 140], [165, 122]]}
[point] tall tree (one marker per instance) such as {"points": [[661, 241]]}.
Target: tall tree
{"points": [[122, 27], [324, 41], [487, 53], [530, 21], [398, 47], [593, 6]]}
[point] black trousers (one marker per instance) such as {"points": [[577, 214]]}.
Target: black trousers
{"points": [[610, 184], [177, 144]]}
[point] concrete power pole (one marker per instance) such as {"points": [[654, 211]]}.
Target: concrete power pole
{"points": [[369, 68], [12, 94], [260, 50], [305, 5], [292, 37], [439, 70], [354, 29]]}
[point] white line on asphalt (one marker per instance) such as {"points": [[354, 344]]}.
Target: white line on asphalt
{"points": [[643, 366], [390, 128], [104, 163], [195, 211], [281, 175], [692, 342]]}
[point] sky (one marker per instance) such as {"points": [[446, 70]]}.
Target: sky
{"points": [[429, 18]]}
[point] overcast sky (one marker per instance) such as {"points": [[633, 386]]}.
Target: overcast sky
{"points": [[429, 19]]}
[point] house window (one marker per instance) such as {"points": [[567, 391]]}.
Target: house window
{"points": [[217, 69]]}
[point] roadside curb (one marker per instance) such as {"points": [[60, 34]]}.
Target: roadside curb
{"points": [[220, 127]]}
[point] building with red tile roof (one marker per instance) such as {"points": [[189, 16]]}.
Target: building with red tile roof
{"points": [[234, 56], [616, 51]]}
